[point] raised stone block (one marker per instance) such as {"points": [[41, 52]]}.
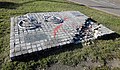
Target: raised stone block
{"points": [[47, 34]]}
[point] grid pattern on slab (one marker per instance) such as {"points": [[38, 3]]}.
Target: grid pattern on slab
{"points": [[27, 41]]}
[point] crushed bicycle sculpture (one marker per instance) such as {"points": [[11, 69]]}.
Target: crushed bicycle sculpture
{"points": [[34, 32]]}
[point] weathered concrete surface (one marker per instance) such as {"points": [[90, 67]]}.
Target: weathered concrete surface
{"points": [[25, 41], [109, 6]]}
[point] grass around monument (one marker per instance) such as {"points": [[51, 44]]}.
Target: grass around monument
{"points": [[102, 51]]}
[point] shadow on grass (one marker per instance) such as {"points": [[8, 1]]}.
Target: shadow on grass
{"points": [[45, 53], [112, 36], [8, 5], [12, 5]]}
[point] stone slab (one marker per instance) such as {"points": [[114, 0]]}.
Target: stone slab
{"points": [[24, 41]]}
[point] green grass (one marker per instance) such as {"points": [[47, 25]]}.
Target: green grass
{"points": [[102, 50]]}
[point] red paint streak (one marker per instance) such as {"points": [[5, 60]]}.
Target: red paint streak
{"points": [[56, 29]]}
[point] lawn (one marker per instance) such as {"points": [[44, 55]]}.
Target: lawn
{"points": [[102, 51]]}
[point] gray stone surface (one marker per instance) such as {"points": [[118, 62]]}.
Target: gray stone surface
{"points": [[23, 41]]}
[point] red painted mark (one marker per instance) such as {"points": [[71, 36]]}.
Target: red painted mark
{"points": [[65, 18], [56, 29]]}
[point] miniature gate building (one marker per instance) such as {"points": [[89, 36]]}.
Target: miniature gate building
{"points": [[34, 32]]}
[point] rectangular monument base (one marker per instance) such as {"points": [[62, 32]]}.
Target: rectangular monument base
{"points": [[48, 34]]}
